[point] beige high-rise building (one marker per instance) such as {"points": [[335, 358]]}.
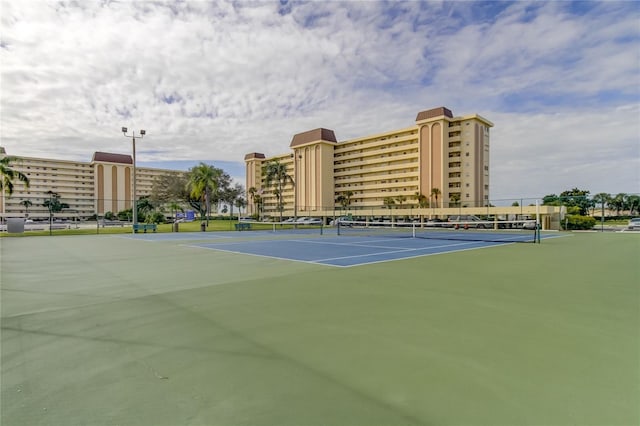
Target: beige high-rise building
{"points": [[441, 154], [103, 185]]}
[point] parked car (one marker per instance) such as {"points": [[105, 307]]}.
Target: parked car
{"points": [[341, 219], [434, 223], [309, 221], [469, 221], [634, 223]]}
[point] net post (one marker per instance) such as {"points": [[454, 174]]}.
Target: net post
{"points": [[322, 227], [537, 234], [413, 230], [338, 228]]}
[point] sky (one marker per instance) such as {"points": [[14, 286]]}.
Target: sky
{"points": [[213, 81]]}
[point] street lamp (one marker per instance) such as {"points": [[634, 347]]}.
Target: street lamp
{"points": [[135, 195]]}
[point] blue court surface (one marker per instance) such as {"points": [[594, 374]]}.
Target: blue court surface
{"points": [[345, 251], [311, 247]]}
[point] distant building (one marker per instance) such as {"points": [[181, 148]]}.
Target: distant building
{"points": [[105, 184], [442, 151]]}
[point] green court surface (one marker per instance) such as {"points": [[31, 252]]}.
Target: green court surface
{"points": [[108, 330]]}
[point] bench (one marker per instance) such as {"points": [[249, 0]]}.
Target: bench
{"points": [[145, 227], [242, 226]]}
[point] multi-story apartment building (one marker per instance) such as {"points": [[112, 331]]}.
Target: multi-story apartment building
{"points": [[440, 154], [105, 184]]}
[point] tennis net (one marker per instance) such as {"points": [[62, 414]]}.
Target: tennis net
{"points": [[523, 231], [281, 227]]}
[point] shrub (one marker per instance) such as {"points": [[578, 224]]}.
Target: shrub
{"points": [[155, 217], [577, 222]]}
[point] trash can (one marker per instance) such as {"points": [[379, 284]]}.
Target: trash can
{"points": [[203, 226], [175, 226]]}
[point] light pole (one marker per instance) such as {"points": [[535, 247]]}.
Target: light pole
{"points": [[50, 193], [295, 185], [135, 195]]}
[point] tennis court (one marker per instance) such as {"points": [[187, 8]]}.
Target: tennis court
{"points": [[344, 246], [187, 328]]}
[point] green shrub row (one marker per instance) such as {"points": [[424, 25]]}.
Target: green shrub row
{"points": [[577, 222]]}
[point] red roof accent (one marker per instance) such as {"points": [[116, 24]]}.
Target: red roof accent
{"points": [[435, 112], [314, 135], [253, 155], [107, 157]]}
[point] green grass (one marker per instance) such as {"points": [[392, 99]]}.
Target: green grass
{"points": [[104, 330], [92, 229]]}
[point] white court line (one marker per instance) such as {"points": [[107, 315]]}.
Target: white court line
{"points": [[420, 255], [397, 251], [312, 262]]}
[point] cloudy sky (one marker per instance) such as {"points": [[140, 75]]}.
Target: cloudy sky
{"points": [[212, 81]]}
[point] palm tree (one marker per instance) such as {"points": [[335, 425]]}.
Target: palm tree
{"points": [[231, 194], [454, 199], [388, 202], [601, 198], [175, 208], [257, 200], [26, 204], [251, 192], [435, 192], [422, 200], [618, 202], [203, 182], [145, 207], [240, 204], [274, 171], [401, 199], [8, 175], [634, 204], [344, 199]]}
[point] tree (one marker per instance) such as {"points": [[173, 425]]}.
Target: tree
{"points": [[551, 200], [455, 199], [258, 201], [54, 205], [634, 204], [400, 199], [344, 199], [618, 202], [389, 202], [8, 175], [252, 192], [576, 198], [601, 198], [231, 194], [203, 182], [26, 204], [422, 200], [170, 188], [435, 193], [145, 208], [175, 208], [515, 204], [276, 172], [240, 204]]}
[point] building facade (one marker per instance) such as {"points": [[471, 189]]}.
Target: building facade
{"points": [[442, 156], [105, 184]]}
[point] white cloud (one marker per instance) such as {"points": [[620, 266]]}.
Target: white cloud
{"points": [[218, 80]]}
